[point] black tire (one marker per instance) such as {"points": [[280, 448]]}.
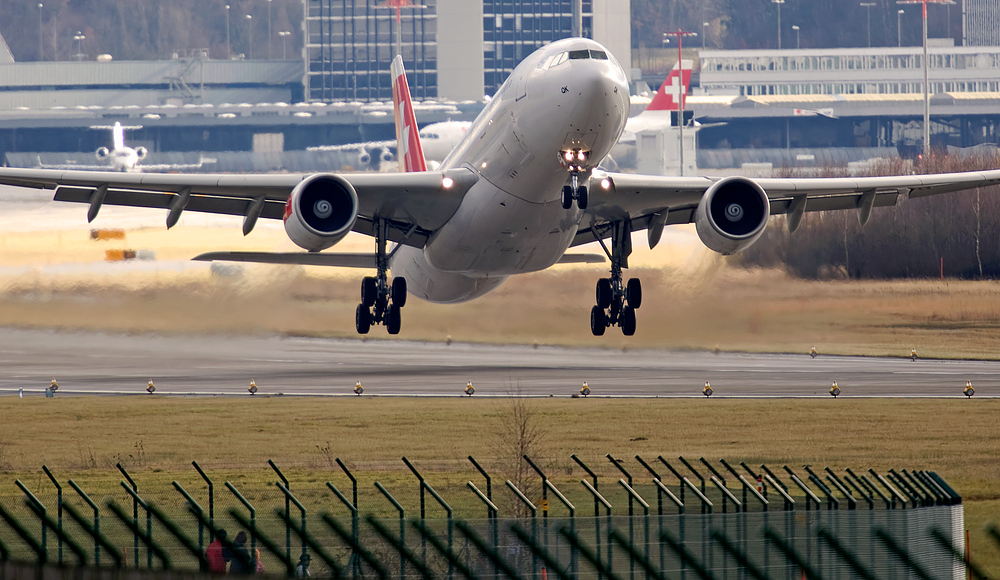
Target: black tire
{"points": [[582, 197], [398, 291], [369, 291], [598, 321], [628, 321], [633, 293], [394, 320], [363, 319], [567, 197], [604, 294]]}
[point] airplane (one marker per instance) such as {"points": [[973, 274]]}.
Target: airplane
{"points": [[520, 190], [438, 140], [121, 157]]}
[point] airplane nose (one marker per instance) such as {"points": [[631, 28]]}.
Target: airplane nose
{"points": [[604, 99]]}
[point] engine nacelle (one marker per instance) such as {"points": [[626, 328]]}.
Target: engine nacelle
{"points": [[732, 215], [140, 153], [320, 211], [102, 153]]}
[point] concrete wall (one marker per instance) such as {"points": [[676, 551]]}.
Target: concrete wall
{"points": [[613, 28], [460, 50]]}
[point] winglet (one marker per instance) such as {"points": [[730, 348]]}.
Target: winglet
{"points": [[408, 149], [118, 134], [666, 97]]}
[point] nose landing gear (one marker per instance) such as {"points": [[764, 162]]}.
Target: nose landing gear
{"points": [[617, 301], [573, 160], [381, 302]]}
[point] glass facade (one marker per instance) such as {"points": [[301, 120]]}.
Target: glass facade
{"points": [[513, 29], [351, 44]]}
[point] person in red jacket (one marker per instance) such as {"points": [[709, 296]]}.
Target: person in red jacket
{"points": [[217, 555]]}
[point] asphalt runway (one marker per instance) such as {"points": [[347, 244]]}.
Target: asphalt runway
{"points": [[96, 363]]}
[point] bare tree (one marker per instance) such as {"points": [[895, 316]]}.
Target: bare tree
{"points": [[518, 433]]}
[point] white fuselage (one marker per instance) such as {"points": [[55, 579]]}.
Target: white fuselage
{"points": [[512, 220]]}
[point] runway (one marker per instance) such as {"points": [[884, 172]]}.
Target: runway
{"points": [[96, 363]]}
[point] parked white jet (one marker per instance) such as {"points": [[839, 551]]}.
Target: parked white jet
{"points": [[517, 192], [438, 140], [121, 157]]}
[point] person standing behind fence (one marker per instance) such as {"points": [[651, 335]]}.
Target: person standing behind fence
{"points": [[241, 563], [302, 570], [216, 554]]}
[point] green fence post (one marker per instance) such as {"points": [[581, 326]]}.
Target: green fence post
{"points": [[145, 539], [539, 552], [34, 500], [172, 528], [740, 557], [335, 568], [534, 520], [404, 552], [250, 508], [40, 553], [362, 553], [95, 532], [288, 510], [135, 512], [480, 545], [73, 546], [355, 564], [59, 502], [265, 541], [584, 551], [444, 550], [402, 524], [149, 520]]}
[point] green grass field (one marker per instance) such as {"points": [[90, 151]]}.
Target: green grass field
{"points": [[156, 438]]}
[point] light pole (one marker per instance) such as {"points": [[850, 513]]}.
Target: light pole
{"points": [[269, 37], [798, 43], [869, 5], [79, 38], [41, 55], [250, 23], [927, 89], [284, 34], [779, 3], [704, 34], [229, 51], [899, 28], [680, 34]]}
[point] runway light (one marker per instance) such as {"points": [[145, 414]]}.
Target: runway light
{"points": [[253, 387], [447, 182], [585, 390], [913, 354], [469, 390], [150, 388], [358, 389], [54, 386], [968, 390], [707, 391], [835, 390], [813, 353]]}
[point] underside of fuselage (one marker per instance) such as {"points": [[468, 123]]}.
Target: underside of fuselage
{"points": [[557, 116]]}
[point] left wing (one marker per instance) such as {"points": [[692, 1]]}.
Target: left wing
{"points": [[418, 202], [651, 202]]}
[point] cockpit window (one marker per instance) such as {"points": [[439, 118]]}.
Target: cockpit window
{"points": [[598, 55], [576, 55], [579, 54]]}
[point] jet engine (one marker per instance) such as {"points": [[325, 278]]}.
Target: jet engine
{"points": [[140, 152], [732, 215], [320, 211], [102, 153]]}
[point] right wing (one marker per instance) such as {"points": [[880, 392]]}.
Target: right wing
{"points": [[419, 203]]}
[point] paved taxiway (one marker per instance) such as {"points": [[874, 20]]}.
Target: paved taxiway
{"points": [[115, 363]]}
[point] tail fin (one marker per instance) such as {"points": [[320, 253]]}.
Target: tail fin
{"points": [[408, 149], [118, 135], [666, 97]]}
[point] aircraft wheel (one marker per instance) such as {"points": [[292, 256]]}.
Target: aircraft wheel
{"points": [[604, 295], [628, 321], [395, 320], [399, 291], [633, 292], [363, 319], [598, 321], [581, 197], [567, 197], [369, 291]]}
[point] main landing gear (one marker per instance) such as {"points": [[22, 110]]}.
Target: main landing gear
{"points": [[573, 160], [616, 301], [381, 302]]}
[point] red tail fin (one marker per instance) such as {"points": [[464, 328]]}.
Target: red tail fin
{"points": [[666, 97], [408, 149]]}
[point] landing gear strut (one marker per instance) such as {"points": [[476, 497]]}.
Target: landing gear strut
{"points": [[381, 302], [573, 160], [617, 301]]}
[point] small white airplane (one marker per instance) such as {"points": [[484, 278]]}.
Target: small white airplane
{"points": [[518, 191], [438, 140], [121, 157]]}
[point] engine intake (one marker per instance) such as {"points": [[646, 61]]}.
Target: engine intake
{"points": [[732, 215], [321, 211]]}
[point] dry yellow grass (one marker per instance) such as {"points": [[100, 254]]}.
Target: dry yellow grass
{"points": [[157, 438]]}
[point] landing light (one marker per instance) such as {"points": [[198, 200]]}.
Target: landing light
{"points": [[568, 155], [581, 155], [447, 182], [606, 184]]}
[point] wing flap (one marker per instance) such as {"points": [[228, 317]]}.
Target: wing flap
{"points": [[160, 200], [340, 260]]}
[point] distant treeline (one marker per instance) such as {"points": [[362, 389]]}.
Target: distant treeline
{"points": [[906, 241]]}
